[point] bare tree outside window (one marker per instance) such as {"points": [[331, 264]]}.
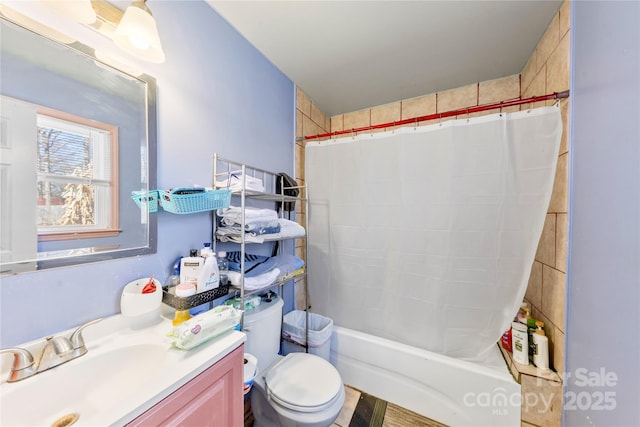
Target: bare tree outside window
{"points": [[62, 155]]}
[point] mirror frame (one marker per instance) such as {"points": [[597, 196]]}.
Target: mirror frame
{"points": [[151, 173]]}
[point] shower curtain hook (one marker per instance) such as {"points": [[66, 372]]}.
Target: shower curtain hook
{"points": [[467, 114], [440, 120], [500, 109], [415, 124]]}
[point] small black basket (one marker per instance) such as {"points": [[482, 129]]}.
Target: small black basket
{"points": [[183, 303]]}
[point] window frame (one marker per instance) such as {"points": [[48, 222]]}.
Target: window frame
{"points": [[113, 225]]}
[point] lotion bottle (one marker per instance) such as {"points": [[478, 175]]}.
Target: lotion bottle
{"points": [[541, 351], [209, 277], [520, 342], [190, 269]]}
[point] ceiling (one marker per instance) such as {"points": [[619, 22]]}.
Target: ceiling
{"points": [[350, 55]]}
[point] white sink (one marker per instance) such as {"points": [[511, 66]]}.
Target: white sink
{"points": [[127, 370]]}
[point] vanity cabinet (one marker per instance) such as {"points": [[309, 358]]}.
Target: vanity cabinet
{"points": [[214, 398]]}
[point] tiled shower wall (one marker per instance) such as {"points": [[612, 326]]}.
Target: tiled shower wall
{"points": [[546, 71], [309, 121]]}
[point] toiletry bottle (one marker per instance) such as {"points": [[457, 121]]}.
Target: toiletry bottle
{"points": [[506, 340], [190, 268], [209, 277], [174, 277], [541, 348], [524, 313], [520, 341], [223, 267], [531, 329], [206, 250], [183, 290]]}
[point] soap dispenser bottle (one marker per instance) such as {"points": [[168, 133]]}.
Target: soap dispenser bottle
{"points": [[209, 277], [541, 348]]}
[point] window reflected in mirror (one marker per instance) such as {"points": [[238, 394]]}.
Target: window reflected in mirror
{"points": [[77, 187], [77, 137]]}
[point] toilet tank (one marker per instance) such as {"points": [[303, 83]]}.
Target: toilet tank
{"points": [[262, 326]]}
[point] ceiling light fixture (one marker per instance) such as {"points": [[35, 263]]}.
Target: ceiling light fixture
{"points": [[137, 33]]}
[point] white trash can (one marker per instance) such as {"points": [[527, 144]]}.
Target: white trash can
{"points": [[320, 329]]}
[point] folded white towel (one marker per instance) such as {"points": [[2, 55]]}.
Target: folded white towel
{"points": [[234, 183], [256, 282], [233, 234], [233, 215], [288, 230]]}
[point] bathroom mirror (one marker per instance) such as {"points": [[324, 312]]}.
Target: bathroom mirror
{"points": [[77, 138]]}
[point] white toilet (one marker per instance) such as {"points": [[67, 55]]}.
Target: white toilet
{"points": [[299, 389]]}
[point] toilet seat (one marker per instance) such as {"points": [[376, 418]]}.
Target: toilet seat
{"points": [[303, 382]]}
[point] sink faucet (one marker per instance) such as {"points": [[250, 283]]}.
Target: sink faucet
{"points": [[57, 350]]}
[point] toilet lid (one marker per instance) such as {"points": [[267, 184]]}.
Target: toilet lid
{"points": [[303, 382]]}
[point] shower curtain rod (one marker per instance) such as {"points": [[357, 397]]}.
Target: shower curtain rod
{"points": [[469, 110]]}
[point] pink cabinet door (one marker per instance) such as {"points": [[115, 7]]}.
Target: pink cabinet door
{"points": [[214, 398]]}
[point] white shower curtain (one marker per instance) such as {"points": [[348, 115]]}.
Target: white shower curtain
{"points": [[426, 235]]}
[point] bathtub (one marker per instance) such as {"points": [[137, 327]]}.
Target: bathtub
{"points": [[451, 391]]}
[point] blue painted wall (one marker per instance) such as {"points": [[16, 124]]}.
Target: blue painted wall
{"points": [[216, 93], [603, 313]]}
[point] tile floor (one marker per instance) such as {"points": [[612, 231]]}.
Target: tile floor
{"points": [[394, 416]]}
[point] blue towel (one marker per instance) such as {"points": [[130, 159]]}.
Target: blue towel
{"points": [[253, 264], [287, 263]]}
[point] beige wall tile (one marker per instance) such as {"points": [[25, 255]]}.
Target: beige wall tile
{"points": [[309, 127], [546, 252], [318, 116], [558, 68], [556, 357], [303, 103], [386, 113], [337, 123], [553, 295], [526, 424], [299, 295], [499, 89], [357, 119], [529, 71], [537, 87], [299, 153], [561, 242], [462, 97], [548, 42], [299, 124], [541, 401], [534, 288], [421, 106], [565, 17], [559, 201]]}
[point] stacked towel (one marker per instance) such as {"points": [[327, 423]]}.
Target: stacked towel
{"points": [[255, 283], [252, 216], [262, 272], [234, 183]]}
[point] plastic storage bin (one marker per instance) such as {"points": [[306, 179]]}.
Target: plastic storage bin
{"points": [[150, 197], [320, 329], [187, 203]]}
